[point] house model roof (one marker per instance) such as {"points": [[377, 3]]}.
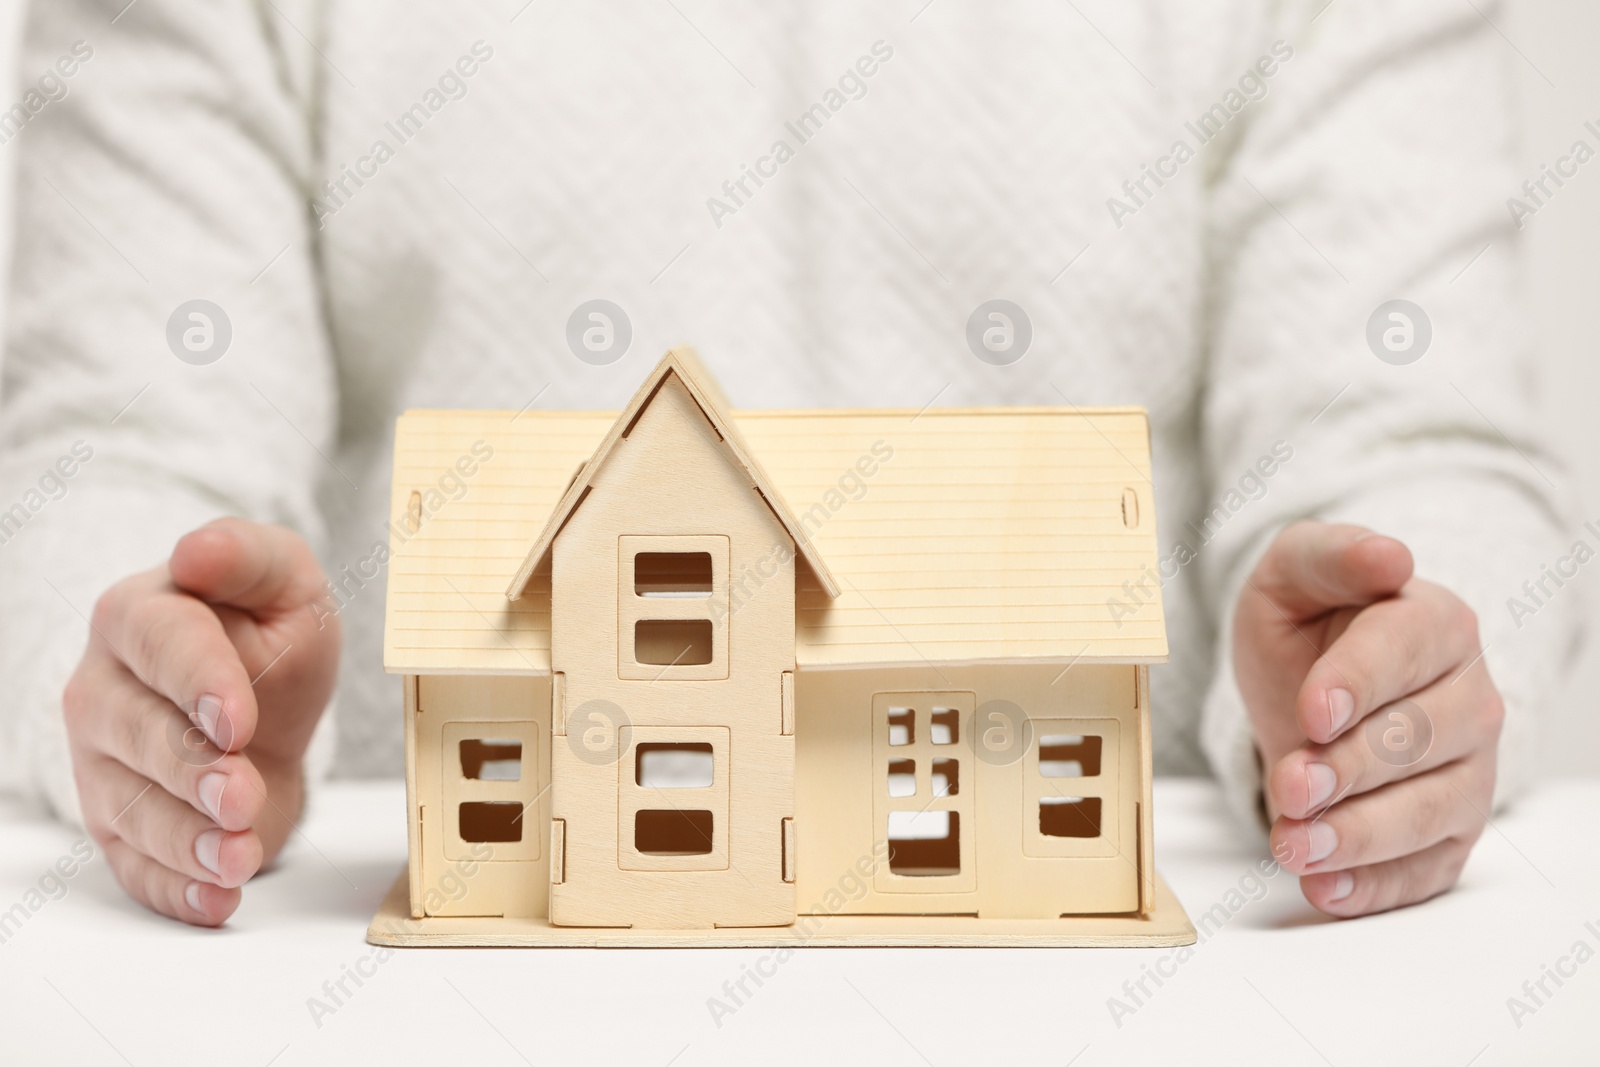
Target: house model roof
{"points": [[950, 535]]}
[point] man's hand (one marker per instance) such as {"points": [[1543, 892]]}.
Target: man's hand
{"points": [[190, 712], [1374, 716]]}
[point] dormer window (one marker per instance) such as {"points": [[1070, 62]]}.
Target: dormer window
{"points": [[672, 574], [672, 607]]}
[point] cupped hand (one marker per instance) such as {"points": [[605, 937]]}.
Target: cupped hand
{"points": [[1374, 716], [191, 710]]}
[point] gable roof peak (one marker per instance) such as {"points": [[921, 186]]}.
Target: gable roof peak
{"points": [[683, 363]]}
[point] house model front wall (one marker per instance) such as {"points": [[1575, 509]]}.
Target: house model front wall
{"points": [[1033, 770], [996, 774], [713, 678]]}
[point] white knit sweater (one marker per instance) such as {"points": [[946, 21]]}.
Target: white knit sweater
{"points": [[1197, 205]]}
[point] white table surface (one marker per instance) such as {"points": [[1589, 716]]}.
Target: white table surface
{"points": [[90, 978]]}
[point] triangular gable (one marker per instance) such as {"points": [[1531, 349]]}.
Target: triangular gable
{"points": [[683, 362]]}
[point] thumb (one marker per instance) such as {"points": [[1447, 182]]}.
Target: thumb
{"points": [[259, 568], [1314, 567]]}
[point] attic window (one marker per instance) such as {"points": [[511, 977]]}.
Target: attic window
{"points": [[672, 607], [672, 574]]}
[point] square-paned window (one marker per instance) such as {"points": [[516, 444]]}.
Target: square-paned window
{"points": [[489, 776], [1073, 799], [672, 798], [927, 820], [672, 607]]}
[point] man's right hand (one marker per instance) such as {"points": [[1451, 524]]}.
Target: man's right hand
{"points": [[191, 710]]}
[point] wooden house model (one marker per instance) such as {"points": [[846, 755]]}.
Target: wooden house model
{"points": [[689, 676]]}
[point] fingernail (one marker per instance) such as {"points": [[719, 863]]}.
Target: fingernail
{"points": [[208, 710], [1324, 839], [208, 849], [1343, 883], [191, 895], [1341, 705], [210, 789], [1320, 783]]}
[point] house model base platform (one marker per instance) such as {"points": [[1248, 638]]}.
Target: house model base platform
{"points": [[1166, 926], [685, 675]]}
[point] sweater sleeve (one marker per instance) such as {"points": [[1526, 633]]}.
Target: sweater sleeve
{"points": [[171, 167], [1376, 169]]}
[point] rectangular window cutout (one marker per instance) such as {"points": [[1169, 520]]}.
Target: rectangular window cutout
{"points": [[672, 642], [902, 727], [491, 759], [946, 726], [672, 574], [669, 832], [490, 820], [902, 778], [673, 766], [1069, 756], [1069, 816], [925, 844], [946, 777]]}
